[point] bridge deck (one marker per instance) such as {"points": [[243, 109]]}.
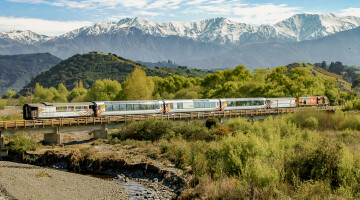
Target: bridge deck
{"points": [[39, 123]]}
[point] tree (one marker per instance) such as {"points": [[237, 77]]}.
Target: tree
{"points": [[10, 94], [323, 65], [104, 90], [356, 84], [137, 86]]}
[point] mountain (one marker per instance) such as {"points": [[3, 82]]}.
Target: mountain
{"points": [[17, 70], [181, 42], [223, 31], [88, 68], [23, 37], [343, 46], [130, 42]]}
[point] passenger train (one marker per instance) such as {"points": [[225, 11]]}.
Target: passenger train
{"points": [[112, 108]]}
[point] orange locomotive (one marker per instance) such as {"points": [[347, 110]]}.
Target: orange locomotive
{"points": [[312, 101]]}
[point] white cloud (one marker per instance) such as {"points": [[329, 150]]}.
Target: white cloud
{"points": [[351, 12], [236, 9], [40, 26]]}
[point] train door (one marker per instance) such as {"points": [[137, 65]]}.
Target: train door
{"points": [[168, 107]]}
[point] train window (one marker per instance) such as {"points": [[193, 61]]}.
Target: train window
{"points": [[212, 104], [143, 107], [180, 105], [157, 106], [122, 107], [61, 109], [136, 107], [116, 107], [129, 107], [109, 107]]}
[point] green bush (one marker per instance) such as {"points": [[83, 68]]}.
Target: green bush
{"points": [[311, 122], [146, 130], [2, 104], [18, 144], [192, 131], [320, 164]]}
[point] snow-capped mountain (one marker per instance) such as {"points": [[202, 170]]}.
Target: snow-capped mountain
{"points": [[26, 37], [224, 31], [141, 39]]}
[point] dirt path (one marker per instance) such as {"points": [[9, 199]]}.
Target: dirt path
{"points": [[22, 181]]}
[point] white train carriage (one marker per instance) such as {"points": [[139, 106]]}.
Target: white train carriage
{"points": [[286, 102], [243, 103], [191, 105], [110, 108], [57, 110]]}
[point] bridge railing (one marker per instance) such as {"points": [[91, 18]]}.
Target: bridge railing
{"points": [[178, 116]]}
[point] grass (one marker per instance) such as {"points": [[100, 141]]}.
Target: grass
{"points": [[43, 174]]}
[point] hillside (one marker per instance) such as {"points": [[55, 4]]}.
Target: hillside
{"points": [[88, 68], [17, 70], [318, 71]]}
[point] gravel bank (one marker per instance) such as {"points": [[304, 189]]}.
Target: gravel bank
{"points": [[22, 181]]}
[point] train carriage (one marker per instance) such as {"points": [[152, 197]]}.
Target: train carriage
{"points": [[191, 105], [312, 101], [285, 102], [47, 110], [243, 103], [109, 108]]}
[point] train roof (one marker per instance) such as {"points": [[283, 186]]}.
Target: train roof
{"points": [[242, 99], [60, 104], [281, 98], [188, 100], [140, 101]]}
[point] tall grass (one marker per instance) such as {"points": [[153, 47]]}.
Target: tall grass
{"points": [[301, 155]]}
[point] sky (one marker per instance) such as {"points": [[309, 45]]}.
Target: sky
{"points": [[56, 17]]}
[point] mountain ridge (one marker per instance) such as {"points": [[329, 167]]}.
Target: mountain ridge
{"points": [[221, 31]]}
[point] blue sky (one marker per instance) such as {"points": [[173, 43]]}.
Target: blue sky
{"points": [[55, 17]]}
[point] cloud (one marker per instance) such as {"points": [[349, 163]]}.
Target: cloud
{"points": [[40, 26], [239, 10], [351, 12]]}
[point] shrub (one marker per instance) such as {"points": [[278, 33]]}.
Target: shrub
{"points": [[313, 190], [2, 104], [320, 164], [146, 130], [177, 151], [192, 131], [18, 144], [311, 122], [211, 122]]}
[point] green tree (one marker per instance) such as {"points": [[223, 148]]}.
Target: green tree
{"points": [[104, 90], [137, 86], [10, 94]]}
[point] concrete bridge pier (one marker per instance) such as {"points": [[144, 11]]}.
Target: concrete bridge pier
{"points": [[54, 137], [101, 134], [3, 150]]}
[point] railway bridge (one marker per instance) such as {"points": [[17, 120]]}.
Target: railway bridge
{"points": [[52, 128]]}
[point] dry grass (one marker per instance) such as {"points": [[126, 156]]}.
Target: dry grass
{"points": [[43, 174]]}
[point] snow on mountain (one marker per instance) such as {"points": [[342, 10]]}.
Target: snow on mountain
{"points": [[313, 26], [224, 31], [27, 37], [219, 30]]}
